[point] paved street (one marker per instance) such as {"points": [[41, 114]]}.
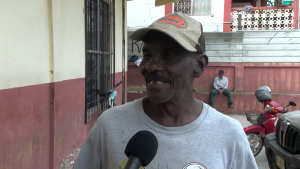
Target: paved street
{"points": [[261, 159]]}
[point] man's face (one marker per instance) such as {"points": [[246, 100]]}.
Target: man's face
{"points": [[221, 75], [167, 68]]}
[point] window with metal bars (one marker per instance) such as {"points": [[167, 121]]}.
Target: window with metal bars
{"points": [[100, 55], [193, 7]]}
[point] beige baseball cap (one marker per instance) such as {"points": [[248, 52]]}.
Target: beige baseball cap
{"points": [[184, 29]]}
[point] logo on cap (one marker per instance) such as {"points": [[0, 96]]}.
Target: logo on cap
{"points": [[174, 20]]}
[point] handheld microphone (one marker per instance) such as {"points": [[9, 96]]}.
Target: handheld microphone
{"points": [[141, 149]]}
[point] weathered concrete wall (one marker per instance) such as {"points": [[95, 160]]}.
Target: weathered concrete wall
{"points": [[244, 79], [246, 46], [42, 86]]}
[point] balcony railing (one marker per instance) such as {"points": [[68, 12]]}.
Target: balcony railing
{"points": [[263, 18]]}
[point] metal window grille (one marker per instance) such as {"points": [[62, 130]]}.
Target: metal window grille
{"points": [[193, 7], [100, 55]]}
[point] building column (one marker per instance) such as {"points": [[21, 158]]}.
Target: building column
{"points": [[227, 17], [168, 9], [296, 14]]}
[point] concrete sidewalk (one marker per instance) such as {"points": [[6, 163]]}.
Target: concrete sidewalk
{"points": [[261, 159]]}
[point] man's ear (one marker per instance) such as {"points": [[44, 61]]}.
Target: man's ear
{"points": [[200, 65]]}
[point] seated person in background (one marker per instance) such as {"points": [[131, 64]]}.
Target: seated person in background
{"points": [[220, 86]]}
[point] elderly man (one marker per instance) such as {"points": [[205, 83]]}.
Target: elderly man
{"points": [[189, 132], [220, 87]]}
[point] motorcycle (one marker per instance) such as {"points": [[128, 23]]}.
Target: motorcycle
{"points": [[263, 124]]}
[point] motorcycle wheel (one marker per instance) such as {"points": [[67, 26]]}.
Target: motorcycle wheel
{"points": [[256, 143]]}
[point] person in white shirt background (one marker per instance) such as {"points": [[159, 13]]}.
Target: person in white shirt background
{"points": [[220, 87]]}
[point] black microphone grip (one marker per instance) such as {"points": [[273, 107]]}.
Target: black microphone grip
{"points": [[133, 163]]}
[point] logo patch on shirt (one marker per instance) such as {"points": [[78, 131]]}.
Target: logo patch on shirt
{"points": [[194, 166], [123, 164], [174, 20]]}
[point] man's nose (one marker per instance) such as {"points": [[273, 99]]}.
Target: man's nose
{"points": [[154, 64]]}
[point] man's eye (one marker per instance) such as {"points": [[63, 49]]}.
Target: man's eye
{"points": [[167, 55]]}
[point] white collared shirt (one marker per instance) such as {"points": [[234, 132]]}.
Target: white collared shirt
{"points": [[221, 83]]}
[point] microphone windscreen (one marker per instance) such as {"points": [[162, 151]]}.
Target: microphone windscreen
{"points": [[142, 145]]}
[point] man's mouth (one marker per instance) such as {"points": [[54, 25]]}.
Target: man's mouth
{"points": [[154, 82], [155, 78]]}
